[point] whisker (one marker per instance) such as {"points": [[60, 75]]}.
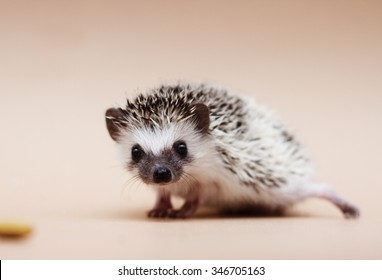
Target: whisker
{"points": [[190, 180], [192, 176], [131, 182]]}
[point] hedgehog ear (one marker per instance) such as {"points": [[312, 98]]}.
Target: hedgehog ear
{"points": [[115, 121], [201, 117]]}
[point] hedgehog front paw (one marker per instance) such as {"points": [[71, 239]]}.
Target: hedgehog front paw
{"points": [[179, 214], [182, 213], [158, 213], [188, 208]]}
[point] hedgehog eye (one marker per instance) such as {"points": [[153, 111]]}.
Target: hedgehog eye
{"points": [[181, 148], [136, 153]]}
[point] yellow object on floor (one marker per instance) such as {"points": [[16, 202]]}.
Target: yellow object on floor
{"points": [[14, 229]]}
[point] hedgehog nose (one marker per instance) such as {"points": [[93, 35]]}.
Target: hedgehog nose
{"points": [[162, 175]]}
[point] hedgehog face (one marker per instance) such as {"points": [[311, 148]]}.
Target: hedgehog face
{"points": [[160, 154], [158, 166]]}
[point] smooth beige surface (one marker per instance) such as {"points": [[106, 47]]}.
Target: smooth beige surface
{"points": [[63, 63]]}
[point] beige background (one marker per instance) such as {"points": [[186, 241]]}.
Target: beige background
{"points": [[63, 63]]}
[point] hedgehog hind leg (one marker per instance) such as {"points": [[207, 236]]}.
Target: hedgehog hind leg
{"points": [[324, 191]]}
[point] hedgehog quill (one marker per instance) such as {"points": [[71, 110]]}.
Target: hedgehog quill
{"points": [[216, 149]]}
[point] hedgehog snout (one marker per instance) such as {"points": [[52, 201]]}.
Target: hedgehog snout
{"points": [[162, 174]]}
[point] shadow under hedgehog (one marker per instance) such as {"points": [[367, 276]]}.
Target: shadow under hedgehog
{"points": [[213, 148]]}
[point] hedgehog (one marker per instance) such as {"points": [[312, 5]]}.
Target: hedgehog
{"points": [[216, 149]]}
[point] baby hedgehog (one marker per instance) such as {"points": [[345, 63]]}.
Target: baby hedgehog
{"points": [[215, 149]]}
